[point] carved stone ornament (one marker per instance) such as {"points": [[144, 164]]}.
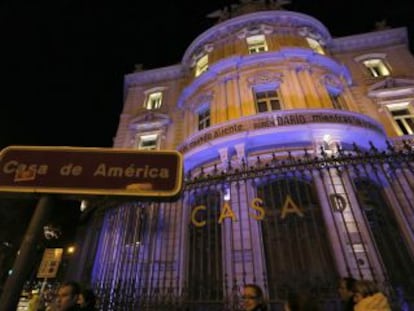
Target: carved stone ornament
{"points": [[267, 29], [332, 81], [242, 34], [149, 120], [202, 99], [265, 77], [208, 47]]}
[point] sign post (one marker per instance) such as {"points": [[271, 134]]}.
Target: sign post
{"points": [[14, 283], [49, 265], [94, 171], [79, 171]]}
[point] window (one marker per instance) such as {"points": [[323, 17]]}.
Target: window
{"points": [[154, 101], [315, 45], [376, 67], [403, 116], [256, 44], [201, 65], [148, 142], [204, 119], [267, 100]]}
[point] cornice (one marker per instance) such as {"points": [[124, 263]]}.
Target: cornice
{"points": [[154, 75], [392, 88], [281, 19], [370, 40], [149, 120], [277, 129]]}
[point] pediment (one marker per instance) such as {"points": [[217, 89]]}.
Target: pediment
{"points": [[149, 120], [392, 87]]}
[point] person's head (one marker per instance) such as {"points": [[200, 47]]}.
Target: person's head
{"points": [[87, 298], [252, 297], [67, 296], [364, 288], [346, 288]]}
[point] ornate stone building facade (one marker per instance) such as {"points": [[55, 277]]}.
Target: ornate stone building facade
{"points": [[298, 159]]}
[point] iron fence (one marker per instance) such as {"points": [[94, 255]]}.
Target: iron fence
{"points": [[290, 223]]}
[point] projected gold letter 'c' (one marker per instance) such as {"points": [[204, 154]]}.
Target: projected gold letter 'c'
{"points": [[193, 216]]}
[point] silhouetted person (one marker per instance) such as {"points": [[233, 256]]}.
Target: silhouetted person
{"points": [[87, 300], [345, 290]]}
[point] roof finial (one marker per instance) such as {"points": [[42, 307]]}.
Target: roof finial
{"points": [[381, 25], [247, 6]]}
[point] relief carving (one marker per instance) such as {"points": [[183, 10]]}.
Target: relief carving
{"points": [[332, 81], [202, 99], [265, 77]]}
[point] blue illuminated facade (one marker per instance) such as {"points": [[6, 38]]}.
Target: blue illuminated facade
{"points": [[255, 93]]}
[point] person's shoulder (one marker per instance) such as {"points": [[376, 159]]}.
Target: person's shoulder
{"points": [[380, 301]]}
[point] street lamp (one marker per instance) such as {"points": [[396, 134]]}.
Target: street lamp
{"points": [[70, 249]]}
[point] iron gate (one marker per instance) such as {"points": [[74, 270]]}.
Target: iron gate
{"points": [[288, 223]]}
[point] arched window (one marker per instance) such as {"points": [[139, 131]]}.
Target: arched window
{"points": [[390, 243], [294, 237], [205, 271]]}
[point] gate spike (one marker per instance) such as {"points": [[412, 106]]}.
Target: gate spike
{"points": [[323, 153], [243, 162], [356, 148], [373, 148], [258, 161], [407, 146], [339, 148], [389, 146]]}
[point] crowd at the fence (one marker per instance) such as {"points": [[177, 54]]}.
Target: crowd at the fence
{"points": [[68, 296], [356, 295], [361, 295]]}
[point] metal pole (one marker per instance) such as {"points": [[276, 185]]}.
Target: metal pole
{"points": [[21, 268]]}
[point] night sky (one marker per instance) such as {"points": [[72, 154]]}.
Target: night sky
{"points": [[63, 63]]}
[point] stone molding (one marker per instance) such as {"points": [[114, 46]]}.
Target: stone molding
{"points": [[154, 75], [370, 40], [149, 120]]}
